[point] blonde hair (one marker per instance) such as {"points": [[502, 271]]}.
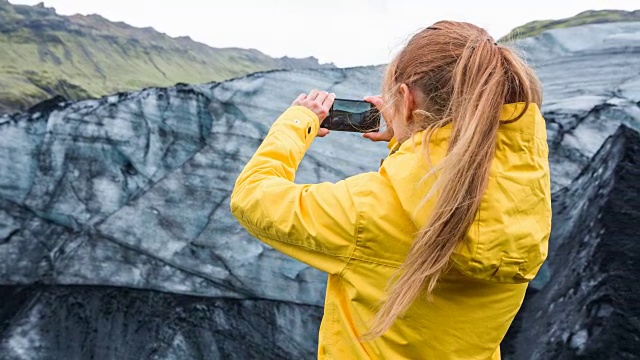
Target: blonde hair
{"points": [[464, 78]]}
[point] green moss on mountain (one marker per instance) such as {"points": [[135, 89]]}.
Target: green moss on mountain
{"points": [[45, 54], [587, 17]]}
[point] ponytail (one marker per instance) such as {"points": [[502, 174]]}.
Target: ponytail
{"points": [[466, 79]]}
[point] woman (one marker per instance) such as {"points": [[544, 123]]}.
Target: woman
{"points": [[429, 257]]}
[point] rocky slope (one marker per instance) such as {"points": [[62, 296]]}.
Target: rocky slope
{"points": [[584, 18], [591, 78], [131, 192], [45, 54], [590, 308]]}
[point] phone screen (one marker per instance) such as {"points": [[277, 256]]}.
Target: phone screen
{"points": [[352, 115]]}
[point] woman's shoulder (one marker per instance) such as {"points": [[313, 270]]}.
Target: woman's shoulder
{"points": [[522, 118]]}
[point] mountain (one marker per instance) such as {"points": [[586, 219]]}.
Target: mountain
{"points": [[584, 18], [142, 203], [45, 54], [116, 238]]}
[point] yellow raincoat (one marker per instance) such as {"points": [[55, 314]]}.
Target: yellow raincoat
{"points": [[359, 231]]}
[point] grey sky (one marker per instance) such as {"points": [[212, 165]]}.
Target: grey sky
{"points": [[346, 32]]}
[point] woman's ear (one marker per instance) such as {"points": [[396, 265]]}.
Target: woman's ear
{"points": [[408, 102]]}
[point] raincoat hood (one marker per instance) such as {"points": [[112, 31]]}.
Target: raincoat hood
{"points": [[508, 240]]}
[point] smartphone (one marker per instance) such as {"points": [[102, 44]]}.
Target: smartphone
{"points": [[353, 116]]}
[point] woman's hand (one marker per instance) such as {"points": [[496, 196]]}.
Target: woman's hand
{"points": [[387, 134], [319, 102]]}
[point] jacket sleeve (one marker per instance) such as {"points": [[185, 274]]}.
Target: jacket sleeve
{"points": [[316, 224]]}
